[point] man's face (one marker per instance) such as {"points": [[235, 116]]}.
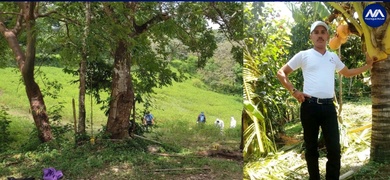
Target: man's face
{"points": [[319, 37]]}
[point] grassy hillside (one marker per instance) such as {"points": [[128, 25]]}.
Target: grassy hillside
{"points": [[175, 108], [182, 101], [178, 106], [13, 93]]}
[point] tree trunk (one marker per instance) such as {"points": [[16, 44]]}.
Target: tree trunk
{"points": [[83, 71], [26, 63], [38, 108], [133, 125], [82, 113], [122, 94], [380, 92]]}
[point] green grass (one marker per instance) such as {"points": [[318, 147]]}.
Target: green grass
{"points": [[13, 94], [293, 128], [175, 108], [189, 101]]}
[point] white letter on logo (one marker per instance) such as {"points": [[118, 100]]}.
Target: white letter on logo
{"points": [[375, 13], [370, 13]]}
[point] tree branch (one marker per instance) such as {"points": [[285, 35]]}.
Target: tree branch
{"points": [[46, 14], [108, 10], [145, 26], [19, 21], [225, 26]]}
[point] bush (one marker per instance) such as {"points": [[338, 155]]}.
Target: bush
{"points": [[198, 83], [5, 138]]}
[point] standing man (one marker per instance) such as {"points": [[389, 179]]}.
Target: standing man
{"points": [[317, 108], [201, 118]]}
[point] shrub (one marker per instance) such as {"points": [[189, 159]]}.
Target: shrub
{"points": [[5, 138]]}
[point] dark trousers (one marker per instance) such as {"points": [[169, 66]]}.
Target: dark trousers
{"points": [[313, 116]]}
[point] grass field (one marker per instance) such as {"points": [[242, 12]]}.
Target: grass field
{"points": [[181, 154]]}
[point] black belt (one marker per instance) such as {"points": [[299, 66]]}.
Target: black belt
{"points": [[319, 100]]}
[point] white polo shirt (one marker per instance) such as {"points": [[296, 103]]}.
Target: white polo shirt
{"points": [[318, 71]]}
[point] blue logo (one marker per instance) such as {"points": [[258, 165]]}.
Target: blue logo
{"points": [[374, 15]]}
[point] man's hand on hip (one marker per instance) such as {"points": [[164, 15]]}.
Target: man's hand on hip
{"points": [[300, 96]]}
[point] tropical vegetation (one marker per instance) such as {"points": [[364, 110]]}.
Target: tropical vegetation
{"points": [[270, 141]]}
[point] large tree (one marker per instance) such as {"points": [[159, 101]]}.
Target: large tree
{"points": [[133, 39], [18, 27], [158, 23]]}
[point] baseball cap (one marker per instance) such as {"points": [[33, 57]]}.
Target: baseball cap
{"points": [[318, 23]]}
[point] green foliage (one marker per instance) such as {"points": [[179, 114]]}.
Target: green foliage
{"points": [[293, 128], [354, 87], [5, 59], [61, 131], [187, 66], [51, 88], [353, 57], [222, 73], [101, 133], [200, 39], [198, 83], [177, 50], [98, 78], [150, 49], [308, 12], [5, 136], [266, 45], [151, 70], [256, 134]]}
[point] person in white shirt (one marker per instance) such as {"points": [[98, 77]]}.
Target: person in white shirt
{"points": [[317, 108], [219, 123], [233, 122]]}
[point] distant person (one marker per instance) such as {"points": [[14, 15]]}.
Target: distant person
{"points": [[201, 118], [148, 119], [219, 123], [233, 122]]}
